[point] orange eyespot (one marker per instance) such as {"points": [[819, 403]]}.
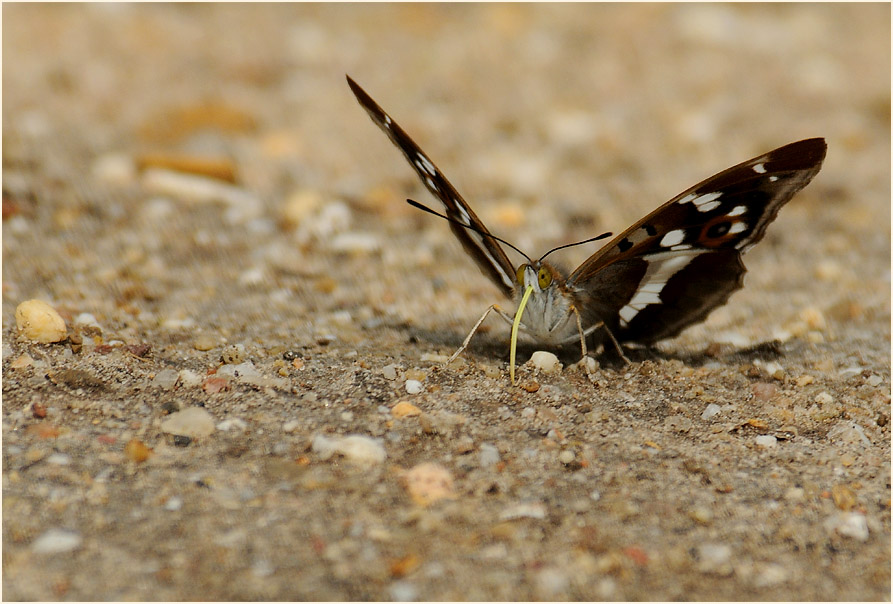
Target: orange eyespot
{"points": [[544, 276]]}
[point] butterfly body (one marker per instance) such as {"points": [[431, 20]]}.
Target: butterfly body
{"points": [[548, 316], [662, 274]]}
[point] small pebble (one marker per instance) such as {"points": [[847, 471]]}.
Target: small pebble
{"points": [[843, 497], [533, 509], [356, 448], [233, 354], [764, 391], [823, 398], [489, 455], [193, 422], [173, 503], [188, 377], [404, 409], [463, 445], [355, 243], [233, 424], [290, 426], [701, 514], [874, 380], [39, 322], [25, 360], [403, 591], [59, 459], [849, 524], [711, 410], [766, 441], [713, 557], [413, 386], [545, 361], [389, 372], [566, 457], [136, 451], [166, 379], [804, 380], [242, 372], [813, 318], [428, 483], [56, 541], [771, 575], [204, 342]]}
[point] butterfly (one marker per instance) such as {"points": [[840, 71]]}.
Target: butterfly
{"points": [[664, 273]]}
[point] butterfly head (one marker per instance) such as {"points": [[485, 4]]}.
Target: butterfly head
{"points": [[538, 275]]}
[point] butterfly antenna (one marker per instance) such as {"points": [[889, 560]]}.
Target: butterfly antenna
{"points": [[567, 245], [425, 208]]}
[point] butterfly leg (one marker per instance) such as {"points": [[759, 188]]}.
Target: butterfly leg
{"points": [[616, 345], [471, 333]]}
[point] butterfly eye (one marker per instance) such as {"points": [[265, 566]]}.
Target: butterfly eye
{"points": [[520, 274], [545, 278]]}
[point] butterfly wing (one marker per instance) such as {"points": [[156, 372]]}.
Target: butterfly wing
{"points": [[670, 269], [488, 254]]}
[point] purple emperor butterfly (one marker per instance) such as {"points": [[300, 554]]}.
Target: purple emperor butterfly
{"points": [[662, 274]]}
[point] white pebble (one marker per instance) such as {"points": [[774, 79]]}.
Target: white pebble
{"points": [[389, 372], [566, 457], [545, 361], [713, 556], [771, 575], [711, 410], [290, 426], [242, 372], [56, 541], [59, 459], [166, 379], [403, 591], [188, 377], [86, 319], [356, 448], [193, 422], [532, 509], [849, 524], [355, 243], [173, 504], [233, 423], [489, 455], [413, 386], [766, 441], [362, 449]]}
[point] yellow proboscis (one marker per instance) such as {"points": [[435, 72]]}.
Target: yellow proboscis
{"points": [[515, 325]]}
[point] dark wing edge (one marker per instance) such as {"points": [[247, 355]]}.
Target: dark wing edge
{"points": [[799, 162], [486, 251]]}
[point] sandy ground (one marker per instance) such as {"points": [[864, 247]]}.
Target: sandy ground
{"points": [[293, 299]]}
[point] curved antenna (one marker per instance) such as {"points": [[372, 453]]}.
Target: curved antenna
{"points": [[424, 208], [561, 247]]}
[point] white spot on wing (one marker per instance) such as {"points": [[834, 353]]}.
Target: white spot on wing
{"points": [[387, 119], [430, 183], [661, 268], [672, 238], [425, 165], [737, 227], [737, 211], [759, 169], [773, 178], [705, 202]]}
